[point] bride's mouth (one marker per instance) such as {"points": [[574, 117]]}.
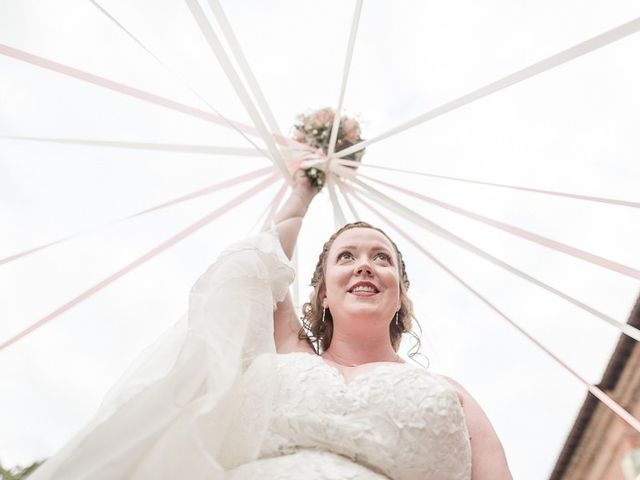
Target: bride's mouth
{"points": [[363, 294], [364, 289]]}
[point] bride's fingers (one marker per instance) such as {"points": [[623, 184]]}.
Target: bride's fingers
{"points": [[301, 179], [304, 184]]}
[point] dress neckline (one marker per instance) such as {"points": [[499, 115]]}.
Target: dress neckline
{"points": [[348, 379], [339, 365]]}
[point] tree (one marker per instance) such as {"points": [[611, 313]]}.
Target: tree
{"points": [[18, 472]]}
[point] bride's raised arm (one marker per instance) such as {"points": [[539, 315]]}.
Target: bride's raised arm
{"points": [[288, 222]]}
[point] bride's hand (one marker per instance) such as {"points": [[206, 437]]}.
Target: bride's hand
{"points": [[302, 186]]}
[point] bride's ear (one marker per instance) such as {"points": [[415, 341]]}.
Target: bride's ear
{"points": [[324, 303]]}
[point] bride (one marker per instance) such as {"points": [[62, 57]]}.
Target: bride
{"points": [[237, 390]]}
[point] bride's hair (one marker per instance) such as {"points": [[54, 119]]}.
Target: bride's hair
{"points": [[315, 330]]}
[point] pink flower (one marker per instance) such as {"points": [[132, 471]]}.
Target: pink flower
{"points": [[351, 129], [314, 130], [320, 118], [298, 136]]}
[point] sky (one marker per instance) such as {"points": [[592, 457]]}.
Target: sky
{"points": [[571, 129]]}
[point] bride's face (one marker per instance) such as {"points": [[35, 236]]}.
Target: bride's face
{"points": [[362, 277]]}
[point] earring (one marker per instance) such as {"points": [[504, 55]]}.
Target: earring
{"points": [[397, 318], [324, 311]]}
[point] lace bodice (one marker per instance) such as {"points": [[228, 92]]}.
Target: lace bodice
{"points": [[393, 421]]}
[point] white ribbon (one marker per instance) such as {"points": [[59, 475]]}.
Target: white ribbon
{"points": [[165, 147], [138, 93], [603, 397], [141, 260], [345, 77], [344, 192], [275, 205], [522, 233], [577, 196], [238, 86], [197, 193], [528, 72], [338, 215], [172, 72], [438, 230], [234, 44]]}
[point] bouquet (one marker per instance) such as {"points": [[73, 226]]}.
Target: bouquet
{"points": [[314, 129]]}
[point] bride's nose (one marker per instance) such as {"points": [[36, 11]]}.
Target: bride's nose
{"points": [[364, 268]]}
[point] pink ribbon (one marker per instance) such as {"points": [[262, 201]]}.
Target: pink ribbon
{"points": [[522, 233], [137, 93], [141, 260], [603, 397], [273, 208], [589, 198], [190, 196]]}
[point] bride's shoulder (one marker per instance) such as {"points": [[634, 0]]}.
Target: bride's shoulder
{"points": [[450, 380], [463, 395], [488, 456], [469, 404]]}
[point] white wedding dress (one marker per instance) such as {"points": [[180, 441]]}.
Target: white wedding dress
{"points": [[213, 400]]}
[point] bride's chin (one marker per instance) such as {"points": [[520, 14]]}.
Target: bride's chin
{"points": [[369, 313]]}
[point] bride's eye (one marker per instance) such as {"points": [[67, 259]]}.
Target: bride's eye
{"points": [[384, 256], [345, 254]]}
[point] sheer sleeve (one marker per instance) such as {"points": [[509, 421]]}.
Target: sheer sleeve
{"points": [[169, 415]]}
